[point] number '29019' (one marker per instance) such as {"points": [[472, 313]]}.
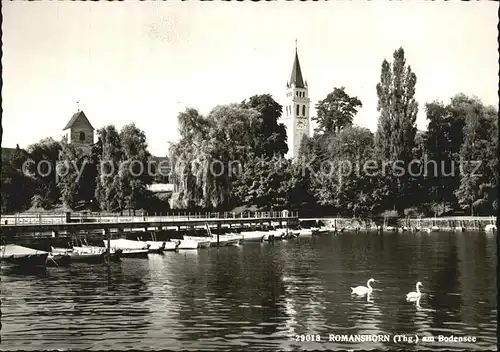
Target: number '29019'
{"points": [[307, 338]]}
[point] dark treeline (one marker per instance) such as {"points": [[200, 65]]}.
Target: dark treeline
{"points": [[106, 178], [234, 158]]}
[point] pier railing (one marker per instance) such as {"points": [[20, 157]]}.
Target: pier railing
{"points": [[62, 218]]}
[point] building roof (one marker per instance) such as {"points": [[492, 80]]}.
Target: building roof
{"points": [[296, 76], [78, 116]]}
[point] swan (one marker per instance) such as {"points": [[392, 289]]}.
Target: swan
{"points": [[362, 290], [412, 296]]}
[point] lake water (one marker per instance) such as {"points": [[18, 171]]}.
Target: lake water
{"points": [[261, 296]]}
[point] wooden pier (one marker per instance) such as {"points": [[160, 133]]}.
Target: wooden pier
{"points": [[70, 224]]}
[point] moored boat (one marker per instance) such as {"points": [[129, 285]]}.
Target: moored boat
{"points": [[323, 230], [87, 254], [304, 232], [129, 248], [170, 246], [203, 242], [155, 246], [57, 259], [214, 241], [221, 243], [23, 256], [187, 244], [252, 236], [490, 228], [432, 229], [232, 239]]}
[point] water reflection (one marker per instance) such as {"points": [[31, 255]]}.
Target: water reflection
{"points": [[260, 296]]}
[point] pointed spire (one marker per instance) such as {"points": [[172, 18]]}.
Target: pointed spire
{"points": [[296, 76]]}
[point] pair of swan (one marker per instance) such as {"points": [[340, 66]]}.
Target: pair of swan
{"points": [[363, 290]]}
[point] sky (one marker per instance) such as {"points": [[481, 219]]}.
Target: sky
{"points": [[145, 62]]}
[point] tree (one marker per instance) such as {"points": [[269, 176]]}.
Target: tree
{"points": [[69, 165], [16, 190], [109, 155], [135, 172], [271, 139], [443, 139], [43, 157], [478, 185], [341, 181], [336, 111], [395, 137], [209, 152], [262, 182], [18, 158]]}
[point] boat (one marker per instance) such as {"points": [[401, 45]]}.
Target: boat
{"points": [[23, 256], [432, 229], [490, 228], [232, 239], [170, 246], [214, 242], [187, 244], [155, 246], [58, 259], [87, 254], [203, 242], [290, 235], [252, 236], [274, 235], [323, 230], [129, 248], [304, 232]]}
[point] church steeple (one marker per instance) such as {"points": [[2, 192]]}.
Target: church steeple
{"points": [[296, 108], [296, 76]]}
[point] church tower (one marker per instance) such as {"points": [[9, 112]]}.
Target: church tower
{"points": [[79, 131], [296, 109]]}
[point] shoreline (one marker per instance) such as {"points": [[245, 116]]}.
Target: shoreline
{"points": [[448, 223]]}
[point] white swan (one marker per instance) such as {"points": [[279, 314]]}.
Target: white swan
{"points": [[362, 290], [412, 296]]}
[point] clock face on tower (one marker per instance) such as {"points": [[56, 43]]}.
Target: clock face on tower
{"points": [[300, 123]]}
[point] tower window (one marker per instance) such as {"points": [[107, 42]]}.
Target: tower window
{"points": [[303, 110], [82, 136], [298, 110]]}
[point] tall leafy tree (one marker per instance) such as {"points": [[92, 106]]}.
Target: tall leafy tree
{"points": [[134, 173], [478, 187], [43, 157], [341, 182], [336, 111], [442, 143], [395, 137], [68, 169], [17, 189], [110, 155], [209, 150], [271, 138]]}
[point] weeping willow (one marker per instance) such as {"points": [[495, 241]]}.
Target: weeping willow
{"points": [[202, 158]]}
